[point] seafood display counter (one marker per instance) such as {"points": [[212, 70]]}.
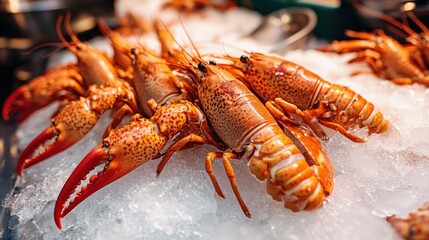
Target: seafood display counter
{"points": [[357, 151]]}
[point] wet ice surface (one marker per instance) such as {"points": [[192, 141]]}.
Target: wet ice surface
{"points": [[386, 175]]}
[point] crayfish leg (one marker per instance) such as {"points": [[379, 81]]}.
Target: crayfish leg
{"points": [[226, 157], [279, 107], [209, 169], [117, 119], [337, 127], [309, 146], [191, 138]]}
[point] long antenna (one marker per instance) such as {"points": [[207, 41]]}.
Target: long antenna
{"points": [[189, 38], [417, 21], [59, 30], [104, 28], [67, 24], [59, 45], [175, 40], [382, 16]]}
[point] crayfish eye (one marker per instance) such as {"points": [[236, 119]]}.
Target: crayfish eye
{"points": [[211, 62], [134, 51], [244, 59], [202, 67]]}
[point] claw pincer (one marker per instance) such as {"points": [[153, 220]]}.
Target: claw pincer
{"points": [[125, 150], [61, 82], [65, 81], [128, 148], [70, 125], [104, 90]]}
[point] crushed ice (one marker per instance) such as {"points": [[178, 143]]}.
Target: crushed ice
{"points": [[386, 175]]}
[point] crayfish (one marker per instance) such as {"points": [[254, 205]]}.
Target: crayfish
{"points": [[177, 100], [296, 90], [416, 226], [300, 174], [104, 90], [387, 57]]}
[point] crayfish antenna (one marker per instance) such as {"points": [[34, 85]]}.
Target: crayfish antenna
{"points": [[418, 22], [384, 17]]}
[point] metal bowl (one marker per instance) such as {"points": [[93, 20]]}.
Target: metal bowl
{"points": [[286, 29], [28, 23], [35, 20], [31, 19]]}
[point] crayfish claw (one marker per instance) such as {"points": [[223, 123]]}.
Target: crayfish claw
{"points": [[28, 157], [54, 139], [17, 105], [77, 188], [414, 226], [402, 226], [120, 153]]}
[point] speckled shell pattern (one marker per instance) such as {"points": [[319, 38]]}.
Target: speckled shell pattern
{"points": [[271, 78], [79, 117], [135, 143], [142, 139], [232, 109], [132, 145], [46, 88], [58, 82], [240, 120]]}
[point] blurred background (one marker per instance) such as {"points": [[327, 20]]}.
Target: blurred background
{"points": [[29, 23]]}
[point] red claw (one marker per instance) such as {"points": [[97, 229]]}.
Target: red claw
{"points": [[29, 158], [120, 153], [17, 106], [114, 168], [96, 157]]}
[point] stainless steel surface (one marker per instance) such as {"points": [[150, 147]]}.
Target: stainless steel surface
{"points": [[8, 161], [287, 29], [21, 18], [12, 49], [39, 26], [19, 6]]}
